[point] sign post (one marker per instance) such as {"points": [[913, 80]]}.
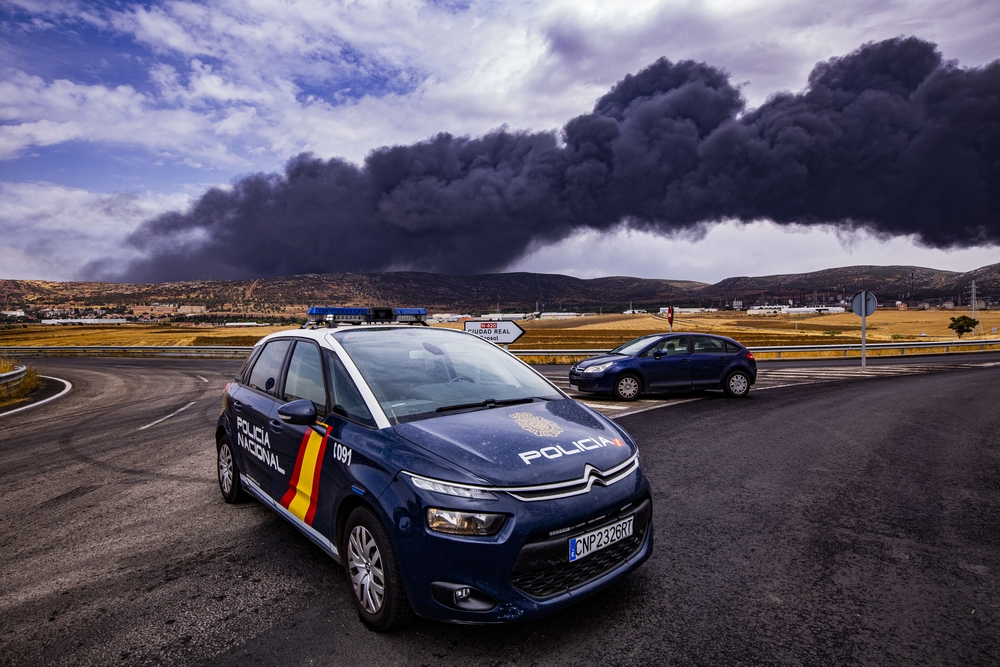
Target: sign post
{"points": [[864, 304], [670, 318], [503, 332]]}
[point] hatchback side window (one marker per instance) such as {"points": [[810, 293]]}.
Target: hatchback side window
{"points": [[267, 368], [669, 347], [732, 349], [305, 376], [706, 345], [347, 400]]}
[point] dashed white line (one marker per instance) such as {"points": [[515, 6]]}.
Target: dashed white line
{"points": [[175, 412], [201, 378]]}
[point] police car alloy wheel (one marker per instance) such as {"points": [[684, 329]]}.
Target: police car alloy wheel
{"points": [[737, 384], [627, 388], [229, 473], [373, 572]]}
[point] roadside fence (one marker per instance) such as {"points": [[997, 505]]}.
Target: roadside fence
{"points": [[535, 356], [13, 378]]}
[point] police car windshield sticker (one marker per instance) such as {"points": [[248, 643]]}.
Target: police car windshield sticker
{"points": [[578, 446], [254, 439], [540, 426]]}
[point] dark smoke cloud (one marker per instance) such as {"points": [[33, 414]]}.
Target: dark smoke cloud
{"points": [[888, 138]]}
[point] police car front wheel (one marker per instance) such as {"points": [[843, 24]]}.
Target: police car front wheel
{"points": [[373, 572]]}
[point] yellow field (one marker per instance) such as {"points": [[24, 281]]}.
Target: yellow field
{"points": [[133, 334], [599, 332]]}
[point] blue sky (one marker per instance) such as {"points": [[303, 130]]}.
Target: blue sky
{"points": [[112, 112]]}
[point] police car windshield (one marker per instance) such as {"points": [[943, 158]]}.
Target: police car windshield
{"points": [[416, 371], [634, 347]]}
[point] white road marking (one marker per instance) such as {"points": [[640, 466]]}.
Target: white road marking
{"points": [[51, 398], [201, 378], [175, 412]]}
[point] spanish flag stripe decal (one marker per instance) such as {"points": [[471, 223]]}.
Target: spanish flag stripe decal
{"points": [[300, 499], [286, 500], [314, 496]]}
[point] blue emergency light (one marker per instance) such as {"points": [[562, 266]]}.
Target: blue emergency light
{"points": [[373, 315]]}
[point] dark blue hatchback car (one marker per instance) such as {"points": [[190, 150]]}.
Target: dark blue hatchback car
{"points": [[449, 478], [668, 362]]}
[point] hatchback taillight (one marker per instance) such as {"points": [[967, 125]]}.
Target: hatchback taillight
{"points": [[749, 354]]}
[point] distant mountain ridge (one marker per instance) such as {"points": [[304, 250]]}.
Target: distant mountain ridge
{"points": [[510, 292]]}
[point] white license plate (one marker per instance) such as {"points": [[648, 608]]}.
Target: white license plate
{"points": [[595, 540], [574, 387]]}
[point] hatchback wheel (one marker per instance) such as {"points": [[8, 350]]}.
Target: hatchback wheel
{"points": [[628, 387], [737, 384]]}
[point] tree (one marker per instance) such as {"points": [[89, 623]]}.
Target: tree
{"points": [[963, 325]]}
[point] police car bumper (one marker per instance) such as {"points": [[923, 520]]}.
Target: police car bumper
{"points": [[524, 572]]}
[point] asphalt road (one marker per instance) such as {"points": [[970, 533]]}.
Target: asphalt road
{"points": [[831, 522]]}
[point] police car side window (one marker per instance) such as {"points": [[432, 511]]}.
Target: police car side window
{"points": [[267, 368], [347, 400], [305, 376]]}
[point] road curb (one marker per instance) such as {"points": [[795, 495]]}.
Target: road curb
{"points": [[50, 391]]}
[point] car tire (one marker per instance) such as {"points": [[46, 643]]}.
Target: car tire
{"points": [[628, 387], [373, 573], [737, 384], [229, 472]]}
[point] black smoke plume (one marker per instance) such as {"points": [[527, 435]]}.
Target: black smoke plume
{"points": [[888, 138]]}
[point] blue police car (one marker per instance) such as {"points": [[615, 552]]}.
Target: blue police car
{"points": [[668, 362], [449, 478]]}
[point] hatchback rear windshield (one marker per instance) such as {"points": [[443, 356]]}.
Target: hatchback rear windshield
{"points": [[419, 372]]}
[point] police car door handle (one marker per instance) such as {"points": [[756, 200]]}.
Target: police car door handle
{"points": [[685, 361], [276, 425]]}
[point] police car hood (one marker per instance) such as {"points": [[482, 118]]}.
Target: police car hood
{"points": [[523, 445]]}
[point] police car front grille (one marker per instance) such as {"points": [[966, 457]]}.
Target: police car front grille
{"points": [[557, 579]]}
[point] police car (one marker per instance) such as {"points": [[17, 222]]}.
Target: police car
{"points": [[448, 478]]}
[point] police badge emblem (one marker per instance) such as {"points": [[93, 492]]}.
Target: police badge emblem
{"points": [[537, 425]]}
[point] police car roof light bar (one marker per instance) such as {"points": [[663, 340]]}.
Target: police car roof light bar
{"points": [[331, 316]]}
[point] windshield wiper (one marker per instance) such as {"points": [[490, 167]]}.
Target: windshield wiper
{"points": [[488, 403]]}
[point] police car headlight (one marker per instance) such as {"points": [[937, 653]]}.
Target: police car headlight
{"points": [[464, 523], [599, 368], [449, 489]]}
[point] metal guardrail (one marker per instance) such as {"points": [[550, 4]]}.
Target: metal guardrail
{"points": [[856, 347], [231, 352], [779, 349], [180, 351], [13, 378]]}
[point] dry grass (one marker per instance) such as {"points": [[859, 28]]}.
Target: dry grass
{"points": [[30, 383], [133, 334]]}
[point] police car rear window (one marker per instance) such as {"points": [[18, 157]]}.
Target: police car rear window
{"points": [[266, 369], [413, 372]]}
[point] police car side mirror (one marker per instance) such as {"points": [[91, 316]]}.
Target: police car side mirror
{"points": [[301, 412], [657, 354]]}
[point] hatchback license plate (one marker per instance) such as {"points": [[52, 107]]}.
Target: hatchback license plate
{"points": [[595, 540], [573, 387]]}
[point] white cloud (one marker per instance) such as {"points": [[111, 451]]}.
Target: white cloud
{"points": [[735, 249], [242, 85], [51, 232]]}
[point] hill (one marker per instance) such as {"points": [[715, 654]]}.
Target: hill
{"points": [[510, 292]]}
